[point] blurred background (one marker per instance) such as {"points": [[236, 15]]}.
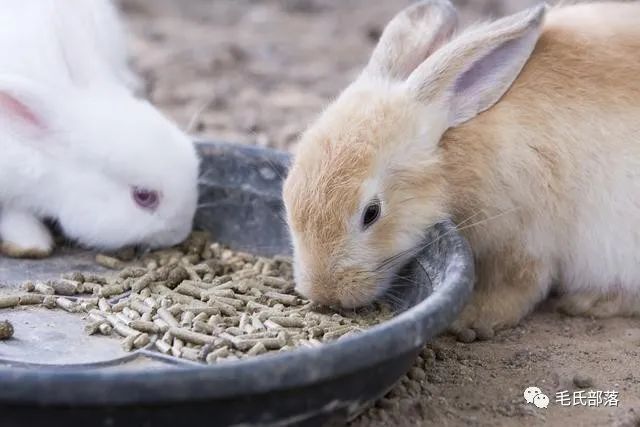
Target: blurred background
{"points": [[258, 71]]}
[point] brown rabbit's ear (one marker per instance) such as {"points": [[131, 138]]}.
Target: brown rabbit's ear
{"points": [[410, 37], [473, 71]]}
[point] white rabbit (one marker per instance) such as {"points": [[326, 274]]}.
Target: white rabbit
{"points": [[524, 131], [76, 145]]}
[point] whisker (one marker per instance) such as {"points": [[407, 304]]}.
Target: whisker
{"points": [[398, 280], [394, 258], [193, 120], [392, 299], [491, 218], [418, 249], [403, 283], [469, 218]]}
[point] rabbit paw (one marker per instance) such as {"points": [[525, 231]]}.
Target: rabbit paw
{"points": [[23, 235], [484, 316], [506, 292]]}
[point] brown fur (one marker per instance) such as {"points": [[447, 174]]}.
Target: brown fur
{"points": [[573, 67], [517, 161], [322, 189], [515, 276]]}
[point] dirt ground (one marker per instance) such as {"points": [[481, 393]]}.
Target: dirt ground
{"points": [[258, 72]]}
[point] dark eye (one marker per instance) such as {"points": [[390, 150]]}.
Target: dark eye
{"points": [[147, 199], [371, 213]]}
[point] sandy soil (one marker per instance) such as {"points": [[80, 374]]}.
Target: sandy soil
{"points": [[258, 72]]}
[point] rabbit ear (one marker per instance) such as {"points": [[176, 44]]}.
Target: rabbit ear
{"points": [[472, 72], [92, 41], [410, 37], [19, 104], [17, 110]]}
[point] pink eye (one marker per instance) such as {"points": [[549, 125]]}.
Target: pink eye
{"points": [[147, 199]]}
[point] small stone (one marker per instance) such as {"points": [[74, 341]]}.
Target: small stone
{"points": [[125, 254], [28, 287], [6, 330], [439, 352], [388, 404], [428, 356], [50, 302], [582, 381], [417, 374], [466, 335], [484, 333]]}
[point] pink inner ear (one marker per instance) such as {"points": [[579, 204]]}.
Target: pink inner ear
{"points": [[19, 110]]}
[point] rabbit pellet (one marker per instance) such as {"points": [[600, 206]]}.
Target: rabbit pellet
{"points": [[200, 302]]}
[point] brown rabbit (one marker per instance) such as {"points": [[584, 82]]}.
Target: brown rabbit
{"points": [[525, 132]]}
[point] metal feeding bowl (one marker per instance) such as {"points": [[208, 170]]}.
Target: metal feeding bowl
{"points": [[51, 373]]}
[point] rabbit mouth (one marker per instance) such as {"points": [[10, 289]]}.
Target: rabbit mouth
{"points": [[396, 281], [399, 287]]}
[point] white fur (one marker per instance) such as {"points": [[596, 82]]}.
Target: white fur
{"points": [[65, 62], [22, 230], [598, 250]]}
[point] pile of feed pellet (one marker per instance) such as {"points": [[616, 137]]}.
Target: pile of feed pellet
{"points": [[197, 301]]}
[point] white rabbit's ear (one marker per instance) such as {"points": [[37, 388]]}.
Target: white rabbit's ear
{"points": [[410, 37], [16, 110], [20, 105], [92, 41], [473, 71]]}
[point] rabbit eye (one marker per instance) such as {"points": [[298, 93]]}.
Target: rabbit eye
{"points": [[146, 199], [371, 213]]}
